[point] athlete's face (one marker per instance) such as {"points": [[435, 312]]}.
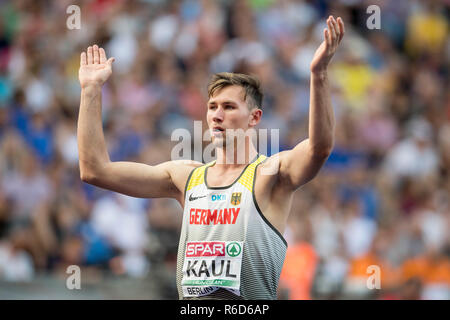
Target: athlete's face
{"points": [[227, 109]]}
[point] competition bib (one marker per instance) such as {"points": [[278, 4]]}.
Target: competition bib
{"points": [[210, 265]]}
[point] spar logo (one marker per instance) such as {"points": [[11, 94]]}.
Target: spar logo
{"points": [[205, 249], [233, 249]]}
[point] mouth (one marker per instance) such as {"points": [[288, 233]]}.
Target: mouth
{"points": [[218, 129]]}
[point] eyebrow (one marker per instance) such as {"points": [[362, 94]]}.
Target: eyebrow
{"points": [[224, 102]]}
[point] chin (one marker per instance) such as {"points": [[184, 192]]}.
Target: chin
{"points": [[218, 142]]}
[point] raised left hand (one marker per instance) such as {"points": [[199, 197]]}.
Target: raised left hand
{"points": [[332, 37]]}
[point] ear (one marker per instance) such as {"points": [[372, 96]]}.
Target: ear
{"points": [[255, 116]]}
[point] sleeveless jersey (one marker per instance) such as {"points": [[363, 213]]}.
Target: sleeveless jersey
{"points": [[227, 248]]}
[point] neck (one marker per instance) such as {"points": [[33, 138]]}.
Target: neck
{"points": [[237, 156]]}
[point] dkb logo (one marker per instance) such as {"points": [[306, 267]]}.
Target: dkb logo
{"points": [[218, 197]]}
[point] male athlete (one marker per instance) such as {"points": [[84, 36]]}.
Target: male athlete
{"points": [[231, 244]]}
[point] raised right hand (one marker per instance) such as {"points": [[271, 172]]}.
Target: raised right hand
{"points": [[95, 69]]}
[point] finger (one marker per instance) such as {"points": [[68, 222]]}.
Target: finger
{"points": [[341, 28], [110, 61], [83, 59], [327, 37], [336, 30], [90, 57], [331, 30], [102, 55], [96, 55]]}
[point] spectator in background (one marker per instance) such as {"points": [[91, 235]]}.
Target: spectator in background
{"points": [[383, 194], [358, 231], [431, 270], [300, 255], [358, 274], [414, 156], [16, 264], [122, 222], [26, 187]]}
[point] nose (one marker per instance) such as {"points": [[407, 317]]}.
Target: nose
{"points": [[218, 115]]}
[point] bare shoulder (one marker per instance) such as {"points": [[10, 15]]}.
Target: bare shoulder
{"points": [[179, 171], [183, 164], [269, 169], [180, 167]]}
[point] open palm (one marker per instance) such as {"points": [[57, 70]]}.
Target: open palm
{"points": [[95, 69], [332, 37]]}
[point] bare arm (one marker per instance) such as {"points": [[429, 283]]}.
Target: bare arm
{"points": [[303, 162], [92, 149], [133, 179]]}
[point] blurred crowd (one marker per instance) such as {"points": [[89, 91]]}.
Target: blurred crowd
{"points": [[379, 207]]}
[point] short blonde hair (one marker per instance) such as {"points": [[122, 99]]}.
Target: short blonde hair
{"points": [[249, 83]]}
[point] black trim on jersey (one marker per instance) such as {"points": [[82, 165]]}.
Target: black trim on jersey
{"points": [[226, 187], [187, 183], [259, 210]]}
